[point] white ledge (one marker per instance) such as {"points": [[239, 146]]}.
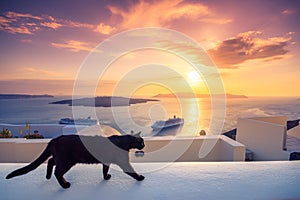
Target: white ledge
{"points": [[193, 180]]}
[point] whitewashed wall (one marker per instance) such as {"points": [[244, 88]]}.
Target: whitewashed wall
{"points": [[265, 137], [160, 149]]}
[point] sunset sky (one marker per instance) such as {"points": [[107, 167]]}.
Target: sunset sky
{"points": [[254, 44]]}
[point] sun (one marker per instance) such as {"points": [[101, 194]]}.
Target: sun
{"points": [[193, 77]]}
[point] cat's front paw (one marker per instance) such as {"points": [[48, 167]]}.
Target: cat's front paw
{"points": [[140, 178], [66, 185], [107, 177]]}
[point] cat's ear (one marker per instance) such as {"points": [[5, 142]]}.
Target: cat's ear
{"points": [[137, 134]]}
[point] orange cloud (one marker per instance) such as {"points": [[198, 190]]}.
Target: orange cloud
{"points": [[104, 29], [3, 20], [52, 25], [75, 46], [163, 13], [248, 46]]}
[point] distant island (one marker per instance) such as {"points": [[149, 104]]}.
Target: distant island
{"points": [[191, 95], [237, 96], [23, 96], [103, 101]]}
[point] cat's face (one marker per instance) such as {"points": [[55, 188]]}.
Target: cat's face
{"points": [[138, 142]]}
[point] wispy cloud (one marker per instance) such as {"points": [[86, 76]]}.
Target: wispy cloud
{"points": [[42, 72], [216, 20], [13, 22], [163, 13], [75, 46], [190, 51], [14, 15], [26, 40], [73, 24], [233, 51], [288, 12]]}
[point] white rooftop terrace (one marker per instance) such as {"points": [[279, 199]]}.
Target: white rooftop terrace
{"points": [[181, 180]]}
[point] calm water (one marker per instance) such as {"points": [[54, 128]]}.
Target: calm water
{"points": [[197, 113]]}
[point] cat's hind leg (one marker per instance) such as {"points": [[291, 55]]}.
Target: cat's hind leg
{"points": [[106, 175], [50, 166], [59, 172]]}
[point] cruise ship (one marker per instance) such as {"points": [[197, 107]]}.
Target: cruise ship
{"points": [[171, 122], [81, 121]]}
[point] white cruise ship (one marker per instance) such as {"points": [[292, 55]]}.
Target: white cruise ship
{"points": [[171, 122]]}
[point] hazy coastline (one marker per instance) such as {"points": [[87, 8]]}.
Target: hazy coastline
{"points": [[24, 96]]}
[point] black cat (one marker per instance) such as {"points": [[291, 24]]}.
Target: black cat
{"points": [[66, 151]]}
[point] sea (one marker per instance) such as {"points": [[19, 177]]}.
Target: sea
{"points": [[199, 114]]}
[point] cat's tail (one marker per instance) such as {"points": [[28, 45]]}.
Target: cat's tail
{"points": [[24, 170]]}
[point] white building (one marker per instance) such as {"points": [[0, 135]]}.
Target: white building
{"points": [[268, 138]]}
